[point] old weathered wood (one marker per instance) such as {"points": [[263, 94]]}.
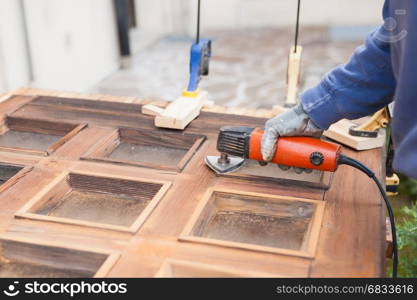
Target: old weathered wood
{"points": [[340, 133], [152, 110], [179, 113], [34, 136], [350, 242], [252, 171], [346, 213], [146, 148], [49, 204], [254, 207], [36, 258], [8, 181]]}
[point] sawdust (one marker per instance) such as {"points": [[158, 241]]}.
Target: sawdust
{"points": [[28, 140], [247, 227], [96, 207], [148, 154]]}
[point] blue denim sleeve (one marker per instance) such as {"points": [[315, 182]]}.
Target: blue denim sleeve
{"points": [[362, 86]]}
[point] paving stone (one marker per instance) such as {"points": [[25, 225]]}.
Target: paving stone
{"points": [[247, 69]]}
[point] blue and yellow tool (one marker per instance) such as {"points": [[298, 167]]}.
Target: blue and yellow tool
{"points": [[199, 64], [199, 61]]}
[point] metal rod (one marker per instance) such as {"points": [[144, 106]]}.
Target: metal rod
{"points": [[297, 26], [198, 22]]}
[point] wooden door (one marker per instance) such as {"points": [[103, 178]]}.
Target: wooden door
{"points": [[141, 202]]}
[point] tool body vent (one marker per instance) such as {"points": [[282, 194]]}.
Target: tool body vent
{"points": [[234, 140]]}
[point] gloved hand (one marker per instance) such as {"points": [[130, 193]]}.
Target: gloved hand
{"points": [[293, 122]]}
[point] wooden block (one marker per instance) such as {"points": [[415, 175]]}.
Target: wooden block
{"points": [[293, 75], [340, 133], [152, 110], [181, 112]]}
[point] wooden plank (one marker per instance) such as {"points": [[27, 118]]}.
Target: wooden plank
{"points": [[65, 138], [13, 101], [152, 110], [293, 75], [208, 122], [340, 133], [344, 250], [183, 162], [20, 150], [83, 142], [178, 114]]}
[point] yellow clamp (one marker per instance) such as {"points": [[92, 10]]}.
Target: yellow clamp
{"points": [[191, 94], [391, 185]]}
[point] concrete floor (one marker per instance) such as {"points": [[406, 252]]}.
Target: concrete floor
{"points": [[247, 69]]}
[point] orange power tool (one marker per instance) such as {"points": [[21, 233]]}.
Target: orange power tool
{"points": [[239, 143], [236, 144]]}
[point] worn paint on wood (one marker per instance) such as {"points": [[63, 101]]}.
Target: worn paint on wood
{"points": [[161, 149], [350, 241], [21, 258], [103, 202], [255, 221]]}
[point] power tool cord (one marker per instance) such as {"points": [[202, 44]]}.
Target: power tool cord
{"points": [[297, 23], [198, 22], [358, 165]]}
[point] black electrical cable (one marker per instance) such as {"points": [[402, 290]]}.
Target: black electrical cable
{"points": [[358, 165], [198, 23], [297, 24]]}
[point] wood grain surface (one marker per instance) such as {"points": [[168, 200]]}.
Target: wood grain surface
{"points": [[348, 239]]}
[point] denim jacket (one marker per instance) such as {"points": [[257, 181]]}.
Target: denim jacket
{"points": [[380, 71]]}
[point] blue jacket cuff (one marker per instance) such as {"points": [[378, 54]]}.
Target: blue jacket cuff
{"points": [[320, 106]]}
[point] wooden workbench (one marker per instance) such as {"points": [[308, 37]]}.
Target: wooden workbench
{"points": [[331, 228]]}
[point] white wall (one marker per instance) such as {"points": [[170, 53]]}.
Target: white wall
{"points": [[179, 15], [14, 63], [73, 43], [254, 13]]}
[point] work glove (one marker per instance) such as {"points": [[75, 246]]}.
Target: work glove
{"points": [[293, 122]]}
